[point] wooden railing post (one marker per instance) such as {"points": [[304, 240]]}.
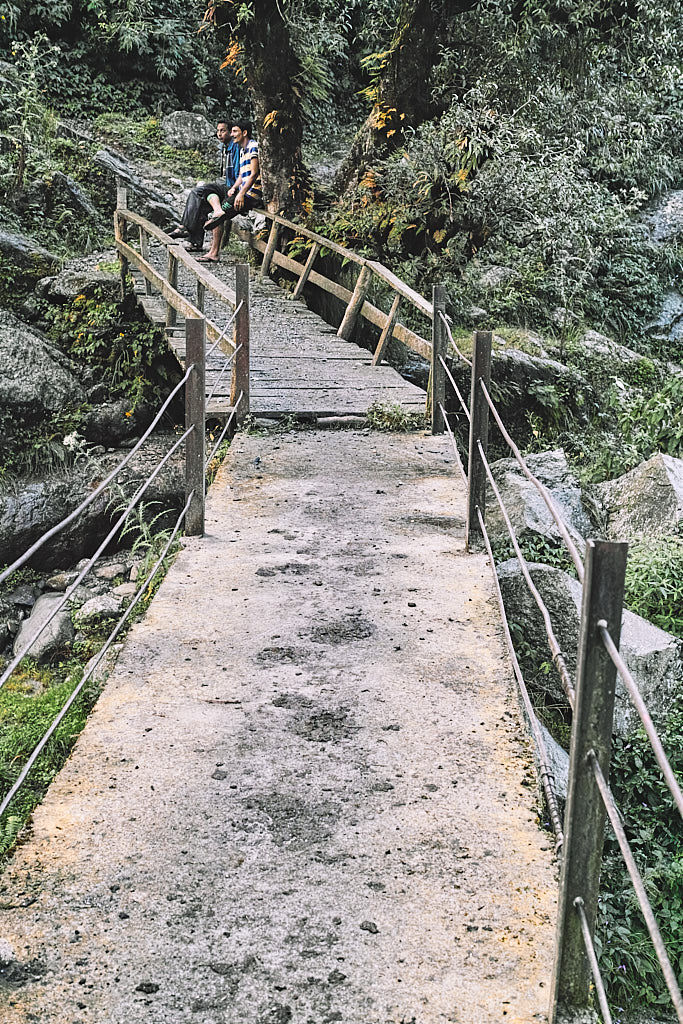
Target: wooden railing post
{"points": [[119, 231], [240, 366], [479, 432], [270, 249], [437, 375], [195, 400], [144, 252], [388, 330], [603, 595], [303, 278], [172, 278], [201, 295], [356, 304]]}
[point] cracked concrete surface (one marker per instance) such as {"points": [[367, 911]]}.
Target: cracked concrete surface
{"points": [[305, 794]]}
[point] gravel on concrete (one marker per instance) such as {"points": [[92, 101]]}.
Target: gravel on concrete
{"points": [[305, 794]]}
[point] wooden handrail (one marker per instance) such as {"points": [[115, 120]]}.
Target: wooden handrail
{"points": [[387, 323]]}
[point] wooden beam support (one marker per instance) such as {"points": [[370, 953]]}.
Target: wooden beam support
{"points": [[303, 277], [386, 334], [356, 304], [270, 249], [172, 278], [479, 432]]}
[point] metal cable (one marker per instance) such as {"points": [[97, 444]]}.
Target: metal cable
{"points": [[558, 656], [96, 660], [86, 569], [450, 338], [593, 961], [224, 370], [455, 445], [223, 332], [547, 780], [463, 403], [98, 490], [223, 432], [648, 724], [542, 490], [638, 885]]}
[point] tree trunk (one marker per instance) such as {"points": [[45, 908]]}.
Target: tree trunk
{"points": [[262, 50], [403, 96]]}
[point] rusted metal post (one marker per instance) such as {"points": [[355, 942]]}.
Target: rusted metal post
{"points": [[356, 304], [385, 336], [603, 595], [301, 283], [172, 278], [240, 366], [195, 400], [437, 376], [120, 231], [271, 246], [479, 431]]}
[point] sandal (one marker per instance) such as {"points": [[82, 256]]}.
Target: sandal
{"points": [[179, 233], [208, 259], [215, 221]]}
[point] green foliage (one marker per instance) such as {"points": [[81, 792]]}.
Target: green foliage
{"points": [[654, 582], [127, 350], [25, 121], [653, 828], [390, 416]]}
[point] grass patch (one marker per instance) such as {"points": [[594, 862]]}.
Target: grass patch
{"points": [[390, 416]]}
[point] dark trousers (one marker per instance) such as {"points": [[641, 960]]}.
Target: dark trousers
{"points": [[197, 209], [250, 203]]}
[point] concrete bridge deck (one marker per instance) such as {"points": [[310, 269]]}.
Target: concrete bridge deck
{"points": [[305, 794]]}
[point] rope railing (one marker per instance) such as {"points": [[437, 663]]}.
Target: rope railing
{"points": [[223, 333], [542, 490], [458, 457], [645, 717], [639, 886], [224, 369], [91, 561], [591, 699], [455, 348], [456, 389], [54, 530], [545, 772], [555, 649], [88, 673], [223, 432]]}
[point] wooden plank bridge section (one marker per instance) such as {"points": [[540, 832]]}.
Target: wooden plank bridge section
{"points": [[303, 796], [299, 365]]}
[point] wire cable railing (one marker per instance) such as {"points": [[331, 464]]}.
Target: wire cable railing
{"points": [[444, 320], [555, 649], [224, 369], [91, 561], [456, 389], [224, 332], [641, 895], [102, 486], [224, 431], [89, 671], [583, 762]]}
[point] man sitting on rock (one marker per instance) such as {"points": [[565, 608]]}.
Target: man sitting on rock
{"points": [[197, 207], [245, 194]]}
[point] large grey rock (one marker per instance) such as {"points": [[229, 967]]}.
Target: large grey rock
{"points": [[26, 253], [528, 511], [665, 217], [524, 372], [35, 506], [72, 282], [144, 198], [36, 379], [56, 635], [56, 191], [668, 324], [187, 130], [646, 502], [105, 606], [607, 348], [655, 658]]}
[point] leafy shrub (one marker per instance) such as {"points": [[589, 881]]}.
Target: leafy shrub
{"points": [[654, 582]]}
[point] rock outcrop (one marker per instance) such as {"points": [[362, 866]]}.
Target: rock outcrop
{"points": [[36, 378], [646, 502], [655, 658], [145, 200], [26, 253], [528, 511]]}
